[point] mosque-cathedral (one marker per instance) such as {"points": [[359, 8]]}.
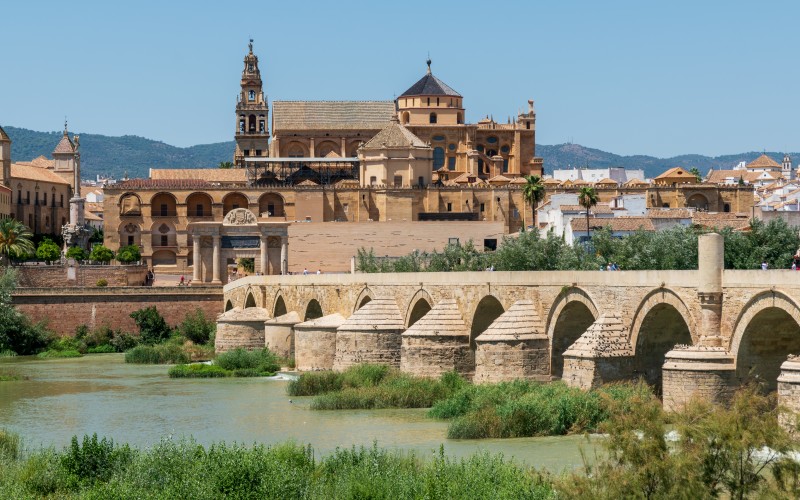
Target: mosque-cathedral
{"points": [[411, 159]]}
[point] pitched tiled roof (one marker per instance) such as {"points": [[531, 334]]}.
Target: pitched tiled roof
{"points": [[247, 314], [600, 208], [236, 175], [40, 161], [675, 171], [499, 179], [764, 162], [90, 216], [161, 184], [64, 145], [395, 135], [607, 337], [326, 115], [636, 182], [669, 213], [35, 174], [290, 318], [607, 181], [551, 182], [615, 223], [518, 180], [3, 135], [721, 176], [721, 219], [430, 85], [331, 321]]}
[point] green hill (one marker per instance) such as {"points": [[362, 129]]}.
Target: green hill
{"points": [[115, 156]]}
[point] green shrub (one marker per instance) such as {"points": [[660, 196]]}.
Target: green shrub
{"points": [[48, 251], [197, 328], [101, 254], [102, 282], [7, 353], [128, 254], [198, 371], [77, 253], [152, 326], [93, 460], [314, 383], [262, 361], [42, 474], [123, 341], [156, 355], [10, 376]]}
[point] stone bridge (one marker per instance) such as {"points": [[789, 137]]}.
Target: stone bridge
{"points": [[686, 333]]}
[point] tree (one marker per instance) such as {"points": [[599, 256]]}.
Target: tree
{"points": [[101, 254], [152, 326], [128, 254], [532, 193], [695, 172], [48, 251], [15, 240], [587, 199], [225, 164], [76, 253]]}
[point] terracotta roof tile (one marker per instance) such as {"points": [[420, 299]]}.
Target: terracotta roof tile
{"points": [[161, 184], [36, 174], [675, 172], [64, 145], [380, 314], [615, 223], [600, 208], [669, 213], [3, 135], [764, 162], [443, 320], [520, 322], [394, 135], [327, 115], [224, 175]]}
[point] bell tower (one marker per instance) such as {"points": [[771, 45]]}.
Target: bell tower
{"points": [[5, 158], [786, 168], [252, 111]]}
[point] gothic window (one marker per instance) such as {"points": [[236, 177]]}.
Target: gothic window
{"points": [[164, 240], [438, 158], [451, 163], [433, 118], [252, 95], [252, 120], [505, 164], [295, 151]]}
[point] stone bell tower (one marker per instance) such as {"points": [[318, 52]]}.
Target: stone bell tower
{"points": [[5, 158], [252, 113]]}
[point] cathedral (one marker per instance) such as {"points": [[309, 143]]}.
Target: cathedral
{"points": [[407, 160]]}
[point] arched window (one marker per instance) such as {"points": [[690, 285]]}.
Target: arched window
{"points": [[252, 95], [252, 120], [405, 117], [433, 118], [438, 158]]}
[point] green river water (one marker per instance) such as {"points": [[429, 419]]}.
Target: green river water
{"points": [[140, 404]]}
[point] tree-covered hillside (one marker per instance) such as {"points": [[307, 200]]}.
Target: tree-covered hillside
{"points": [[114, 156]]}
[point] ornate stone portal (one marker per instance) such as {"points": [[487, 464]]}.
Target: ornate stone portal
{"points": [[239, 235]]}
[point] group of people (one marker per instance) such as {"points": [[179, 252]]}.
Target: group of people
{"points": [[305, 271], [611, 266]]}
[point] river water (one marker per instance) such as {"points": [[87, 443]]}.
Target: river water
{"points": [[140, 404]]}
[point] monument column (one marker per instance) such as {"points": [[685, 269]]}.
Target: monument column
{"points": [[215, 264], [264, 261], [284, 255], [197, 260]]}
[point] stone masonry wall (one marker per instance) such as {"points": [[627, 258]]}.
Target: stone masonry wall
{"points": [[57, 276], [64, 309]]}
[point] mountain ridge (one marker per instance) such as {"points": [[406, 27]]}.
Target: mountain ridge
{"points": [[133, 155]]}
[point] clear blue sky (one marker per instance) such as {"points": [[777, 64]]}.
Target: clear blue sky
{"points": [[659, 78]]}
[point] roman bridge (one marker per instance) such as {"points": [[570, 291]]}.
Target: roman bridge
{"points": [[688, 333]]}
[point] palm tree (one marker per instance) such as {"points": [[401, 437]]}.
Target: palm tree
{"points": [[532, 193], [15, 239], [587, 198]]}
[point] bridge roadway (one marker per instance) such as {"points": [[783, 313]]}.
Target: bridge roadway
{"points": [[596, 326]]}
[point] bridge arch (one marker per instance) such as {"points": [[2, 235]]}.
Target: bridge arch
{"points": [[572, 314], [228, 305], [363, 299], [661, 321], [250, 301], [279, 306], [313, 310], [419, 305], [766, 331], [488, 309]]}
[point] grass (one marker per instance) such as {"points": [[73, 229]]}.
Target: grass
{"points": [[235, 363], [371, 387], [159, 354], [100, 468], [10, 376], [55, 354], [101, 349], [522, 408]]}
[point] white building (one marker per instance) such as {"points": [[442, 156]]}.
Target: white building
{"points": [[617, 174]]}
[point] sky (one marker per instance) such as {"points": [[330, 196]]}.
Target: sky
{"points": [[633, 77]]}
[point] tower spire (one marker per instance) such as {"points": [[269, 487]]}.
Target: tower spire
{"points": [[429, 63]]}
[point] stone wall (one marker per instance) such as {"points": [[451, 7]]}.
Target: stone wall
{"points": [[66, 308], [43, 276]]}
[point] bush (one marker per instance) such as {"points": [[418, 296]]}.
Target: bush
{"points": [[156, 355], [101, 349], [77, 253], [128, 254], [123, 341], [262, 361], [48, 251], [101, 254], [9, 445], [198, 371], [93, 460], [102, 282], [314, 383], [152, 326], [197, 328]]}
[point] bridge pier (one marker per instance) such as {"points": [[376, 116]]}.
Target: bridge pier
{"points": [[315, 343], [789, 392], [279, 334], [601, 355], [371, 335], [240, 328]]}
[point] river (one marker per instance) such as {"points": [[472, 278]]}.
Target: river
{"points": [[140, 404]]}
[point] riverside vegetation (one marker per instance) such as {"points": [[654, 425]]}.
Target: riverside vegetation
{"points": [[676, 248], [508, 409], [739, 451]]}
